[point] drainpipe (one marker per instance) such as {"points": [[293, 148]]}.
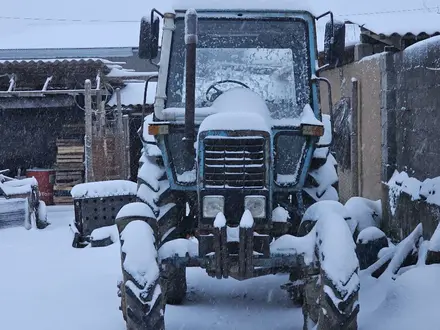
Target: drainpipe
{"points": [[354, 138]]}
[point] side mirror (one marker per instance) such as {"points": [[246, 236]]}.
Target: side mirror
{"points": [[149, 38], [334, 43]]}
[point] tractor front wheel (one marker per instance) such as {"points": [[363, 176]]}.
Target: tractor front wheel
{"points": [[142, 303], [175, 284]]}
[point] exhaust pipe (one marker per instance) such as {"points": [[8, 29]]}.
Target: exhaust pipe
{"points": [[190, 81]]}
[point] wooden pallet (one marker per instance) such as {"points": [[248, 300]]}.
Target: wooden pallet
{"points": [[61, 194], [69, 168]]}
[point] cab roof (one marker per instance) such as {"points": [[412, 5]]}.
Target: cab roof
{"points": [[178, 6]]}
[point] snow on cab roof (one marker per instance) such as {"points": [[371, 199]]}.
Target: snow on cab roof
{"points": [[232, 5]]}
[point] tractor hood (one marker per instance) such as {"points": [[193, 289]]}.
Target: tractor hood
{"points": [[238, 109]]}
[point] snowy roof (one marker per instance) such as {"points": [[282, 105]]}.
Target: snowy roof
{"points": [[133, 94], [29, 24], [29, 73]]}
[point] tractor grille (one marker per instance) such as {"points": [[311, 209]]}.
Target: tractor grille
{"points": [[234, 162]]}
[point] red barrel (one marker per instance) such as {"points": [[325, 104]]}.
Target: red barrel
{"points": [[46, 180]]}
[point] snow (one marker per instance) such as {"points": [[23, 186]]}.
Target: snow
{"points": [[220, 220], [139, 246], [308, 117], [326, 139], [241, 100], [243, 4], [410, 302], [434, 242], [191, 17], [150, 173], [280, 214], [136, 209], [325, 176], [83, 282], [364, 212], [403, 249], [16, 183], [291, 245], [401, 182], [42, 211], [428, 190], [234, 122], [179, 247], [247, 221], [133, 94], [321, 209], [336, 249], [11, 190], [187, 176], [104, 189], [149, 196], [369, 234], [105, 232]]}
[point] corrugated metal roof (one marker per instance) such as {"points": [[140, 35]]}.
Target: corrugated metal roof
{"points": [[61, 53], [391, 17]]}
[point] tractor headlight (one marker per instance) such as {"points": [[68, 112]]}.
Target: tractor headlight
{"points": [[213, 205], [256, 205]]}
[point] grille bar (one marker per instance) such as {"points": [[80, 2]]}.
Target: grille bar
{"points": [[236, 162]]}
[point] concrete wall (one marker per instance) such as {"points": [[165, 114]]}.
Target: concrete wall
{"points": [[368, 74], [417, 105]]}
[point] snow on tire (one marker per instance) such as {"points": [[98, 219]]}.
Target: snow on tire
{"points": [[322, 180], [142, 300], [331, 291]]}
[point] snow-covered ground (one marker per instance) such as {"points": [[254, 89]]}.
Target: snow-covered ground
{"points": [[45, 284]]}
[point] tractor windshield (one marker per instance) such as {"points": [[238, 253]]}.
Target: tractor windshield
{"points": [[271, 57]]}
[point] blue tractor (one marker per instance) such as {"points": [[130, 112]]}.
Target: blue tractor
{"points": [[236, 174]]}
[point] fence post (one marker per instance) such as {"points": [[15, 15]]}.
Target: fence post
{"points": [[120, 136], [126, 123], [88, 159]]}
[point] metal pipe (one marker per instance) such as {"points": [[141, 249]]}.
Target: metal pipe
{"points": [[43, 93], [354, 139], [190, 81], [165, 54], [46, 83], [144, 105]]}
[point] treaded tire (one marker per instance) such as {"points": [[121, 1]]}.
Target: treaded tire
{"points": [[325, 314], [176, 286], [167, 211], [142, 304], [322, 180], [331, 297]]}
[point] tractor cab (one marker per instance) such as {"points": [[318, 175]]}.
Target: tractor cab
{"points": [[237, 104]]}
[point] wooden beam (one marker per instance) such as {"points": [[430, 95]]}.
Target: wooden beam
{"points": [[88, 129]]}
